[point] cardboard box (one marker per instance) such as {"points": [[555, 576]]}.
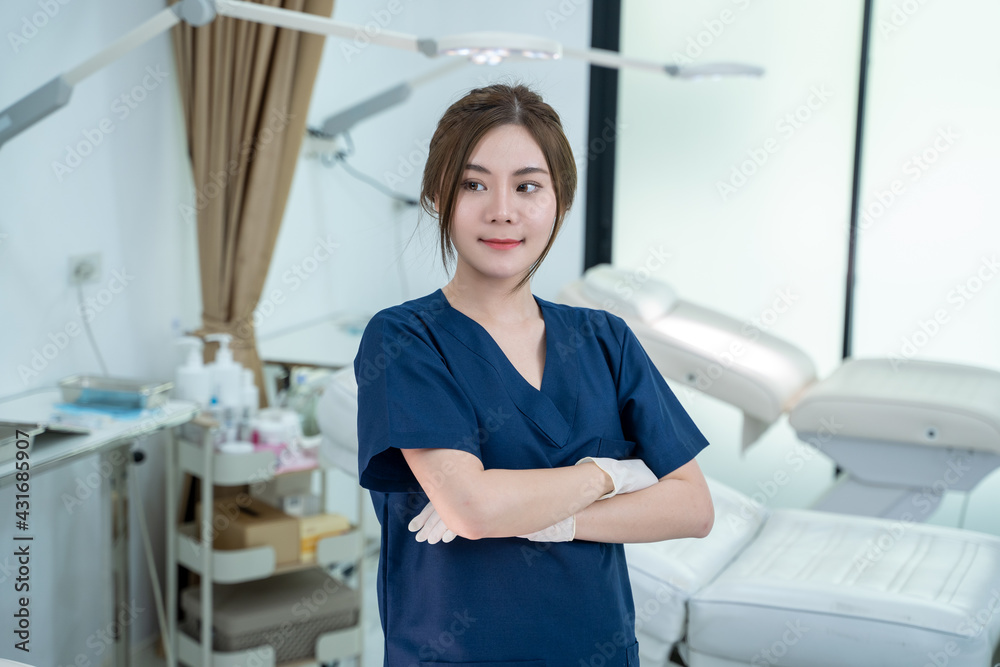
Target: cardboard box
{"points": [[286, 484], [255, 524], [314, 528]]}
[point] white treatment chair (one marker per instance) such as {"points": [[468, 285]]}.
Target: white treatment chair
{"points": [[805, 588], [903, 433], [796, 588]]}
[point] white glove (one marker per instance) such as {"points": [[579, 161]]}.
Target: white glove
{"points": [[429, 527], [628, 475], [564, 531]]}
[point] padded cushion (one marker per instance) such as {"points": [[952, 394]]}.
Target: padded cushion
{"points": [[920, 402], [626, 294], [719, 355], [826, 589], [664, 575]]}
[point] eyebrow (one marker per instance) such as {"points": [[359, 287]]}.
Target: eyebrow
{"points": [[520, 172]]}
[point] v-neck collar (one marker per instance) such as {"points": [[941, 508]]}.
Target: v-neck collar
{"points": [[559, 376]]}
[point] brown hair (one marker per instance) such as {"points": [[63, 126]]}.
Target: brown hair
{"points": [[460, 130]]}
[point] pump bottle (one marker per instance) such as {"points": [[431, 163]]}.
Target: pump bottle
{"points": [[192, 380], [227, 375]]}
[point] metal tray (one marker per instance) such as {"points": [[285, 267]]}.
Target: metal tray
{"points": [[117, 392]]}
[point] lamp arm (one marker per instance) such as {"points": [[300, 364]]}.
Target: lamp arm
{"points": [[346, 119], [606, 58], [55, 94], [613, 59], [33, 107], [287, 18]]}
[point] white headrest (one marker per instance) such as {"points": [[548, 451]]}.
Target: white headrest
{"points": [[628, 293], [926, 402]]}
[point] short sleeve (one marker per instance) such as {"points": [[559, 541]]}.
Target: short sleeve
{"points": [[408, 398], [665, 435]]}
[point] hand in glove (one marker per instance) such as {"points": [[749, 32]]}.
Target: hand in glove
{"points": [[429, 527], [627, 475], [564, 531]]}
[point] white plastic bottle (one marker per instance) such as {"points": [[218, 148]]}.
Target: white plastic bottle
{"points": [[249, 395], [227, 375], [250, 405], [192, 379]]}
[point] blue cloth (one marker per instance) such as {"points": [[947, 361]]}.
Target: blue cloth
{"points": [[429, 376], [115, 411]]}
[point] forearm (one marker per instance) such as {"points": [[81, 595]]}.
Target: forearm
{"points": [[670, 509], [506, 503]]}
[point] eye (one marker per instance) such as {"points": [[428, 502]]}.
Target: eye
{"points": [[535, 187], [473, 184]]}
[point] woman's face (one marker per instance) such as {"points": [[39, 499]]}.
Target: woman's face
{"points": [[505, 208]]}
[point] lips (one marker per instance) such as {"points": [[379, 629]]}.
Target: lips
{"points": [[502, 244]]}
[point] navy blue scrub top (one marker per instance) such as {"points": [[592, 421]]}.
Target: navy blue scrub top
{"points": [[430, 376]]}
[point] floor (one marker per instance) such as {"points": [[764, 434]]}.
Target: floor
{"points": [[373, 628]]}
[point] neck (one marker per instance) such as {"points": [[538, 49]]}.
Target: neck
{"points": [[488, 300]]}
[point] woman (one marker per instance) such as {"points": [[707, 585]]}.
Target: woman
{"points": [[478, 402]]}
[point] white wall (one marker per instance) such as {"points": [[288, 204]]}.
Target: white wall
{"points": [[121, 200], [932, 131], [782, 226]]}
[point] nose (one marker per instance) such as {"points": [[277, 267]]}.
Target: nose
{"points": [[502, 205]]}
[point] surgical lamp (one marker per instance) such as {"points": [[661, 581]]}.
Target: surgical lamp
{"points": [[346, 119], [480, 48]]}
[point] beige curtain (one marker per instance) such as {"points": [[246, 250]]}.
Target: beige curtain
{"points": [[246, 89]]}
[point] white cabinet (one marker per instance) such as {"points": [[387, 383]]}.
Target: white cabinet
{"points": [[189, 546]]}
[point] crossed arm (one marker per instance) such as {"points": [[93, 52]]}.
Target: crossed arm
{"points": [[476, 503]]}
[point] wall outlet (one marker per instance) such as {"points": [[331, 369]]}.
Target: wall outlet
{"points": [[84, 269]]}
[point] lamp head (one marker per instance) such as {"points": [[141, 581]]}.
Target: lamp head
{"points": [[492, 48]]}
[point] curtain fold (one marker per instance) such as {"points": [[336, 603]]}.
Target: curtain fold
{"points": [[246, 89]]}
